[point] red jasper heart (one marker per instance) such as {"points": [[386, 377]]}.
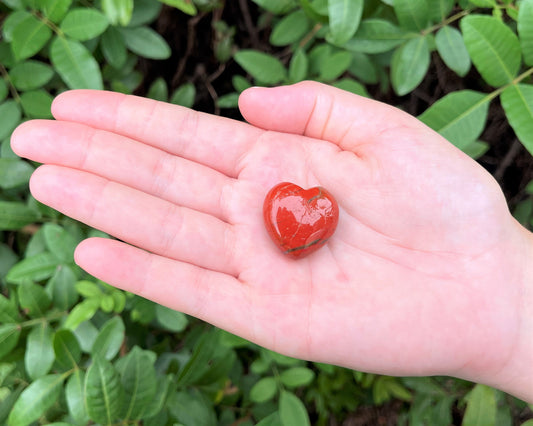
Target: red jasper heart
{"points": [[298, 220]]}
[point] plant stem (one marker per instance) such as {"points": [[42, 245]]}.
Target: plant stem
{"points": [[54, 316], [447, 21]]}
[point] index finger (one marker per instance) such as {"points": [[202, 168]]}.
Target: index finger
{"points": [[207, 139]]}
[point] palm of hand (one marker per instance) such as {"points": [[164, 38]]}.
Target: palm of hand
{"points": [[397, 269], [389, 291]]}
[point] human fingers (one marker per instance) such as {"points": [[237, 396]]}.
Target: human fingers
{"points": [[124, 161], [204, 138], [140, 219], [199, 292], [322, 112]]}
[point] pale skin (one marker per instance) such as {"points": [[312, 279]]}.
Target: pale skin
{"points": [[427, 273]]}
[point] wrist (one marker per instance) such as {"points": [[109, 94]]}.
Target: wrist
{"points": [[515, 374]]}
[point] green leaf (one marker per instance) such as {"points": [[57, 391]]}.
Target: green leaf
{"points": [[344, 18], [191, 408], [493, 47], [410, 64], [290, 29], [34, 298], [377, 36], [7, 259], [364, 68], [316, 11], [459, 116], [113, 47], [335, 66], [229, 100], [198, 364], [118, 11], [158, 90], [186, 6], [6, 368], [525, 30], [6, 151], [109, 339], [483, 3], [107, 303], [170, 319], [30, 75], [385, 387], [481, 407], [55, 10], [139, 382], [86, 334], [317, 56], [261, 66], [278, 7], [88, 289], [103, 391], [412, 14], [61, 287], [439, 9], [39, 355], [3, 89], [38, 397], [119, 301], [184, 95], [142, 310], [8, 309], [145, 42], [297, 376], [298, 66], [83, 311], [35, 268], [75, 64], [452, 50], [280, 359], [144, 12], [59, 242], [292, 410], [476, 149], [160, 396], [523, 211], [37, 104], [84, 23], [9, 119], [11, 22], [75, 396], [29, 36], [219, 367], [270, 420], [517, 102], [9, 336], [264, 390], [67, 349], [14, 172], [15, 215]]}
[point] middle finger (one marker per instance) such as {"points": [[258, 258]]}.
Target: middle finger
{"points": [[125, 161]]}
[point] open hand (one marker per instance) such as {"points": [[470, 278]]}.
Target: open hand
{"points": [[421, 276]]}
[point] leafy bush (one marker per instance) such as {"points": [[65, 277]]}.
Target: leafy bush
{"points": [[74, 350]]}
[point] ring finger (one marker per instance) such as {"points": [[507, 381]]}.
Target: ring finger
{"points": [[140, 219]]}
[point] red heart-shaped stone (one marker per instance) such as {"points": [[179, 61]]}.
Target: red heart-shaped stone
{"points": [[298, 220]]}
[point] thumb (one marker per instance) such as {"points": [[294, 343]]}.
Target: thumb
{"points": [[322, 112]]}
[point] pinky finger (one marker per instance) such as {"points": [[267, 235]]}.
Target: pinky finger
{"points": [[187, 288]]}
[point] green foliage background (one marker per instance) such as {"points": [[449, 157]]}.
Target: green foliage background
{"points": [[76, 351]]}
